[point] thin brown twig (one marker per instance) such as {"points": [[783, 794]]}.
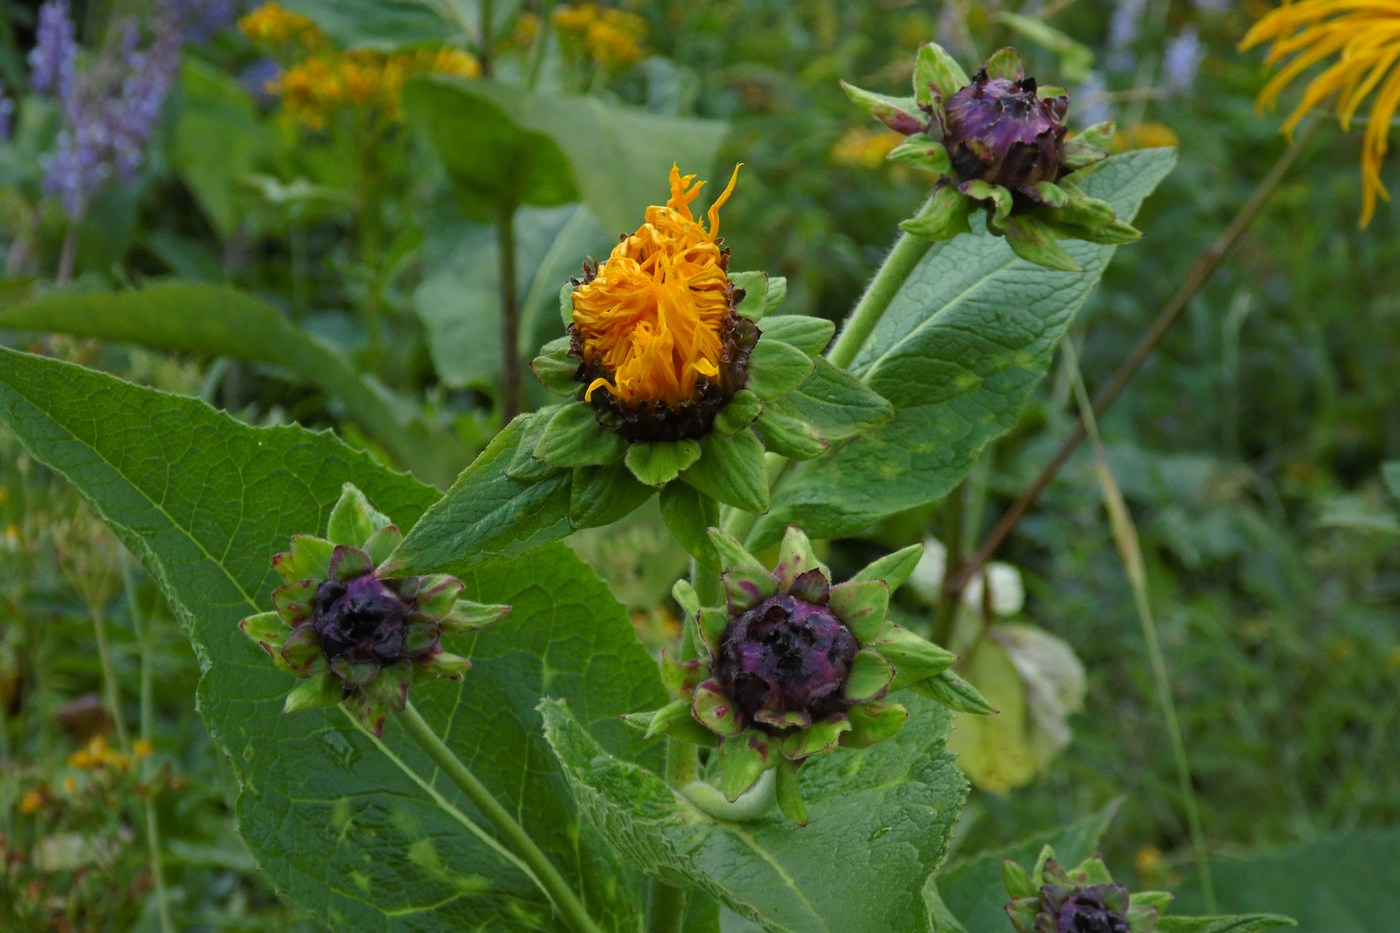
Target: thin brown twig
{"points": [[1205, 266]]}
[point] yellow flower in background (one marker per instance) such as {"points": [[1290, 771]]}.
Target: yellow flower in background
{"points": [[309, 91], [1146, 135], [610, 37], [863, 147], [271, 24], [32, 801], [1364, 36], [313, 89], [652, 316]]}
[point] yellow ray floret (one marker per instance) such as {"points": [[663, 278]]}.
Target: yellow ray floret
{"points": [[1364, 35], [652, 317]]}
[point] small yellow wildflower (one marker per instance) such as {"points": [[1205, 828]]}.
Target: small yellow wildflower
{"points": [[142, 748], [652, 317], [271, 24], [70, 785], [452, 62], [1146, 135], [862, 147], [610, 37], [1365, 37], [98, 754], [309, 90], [32, 801]]}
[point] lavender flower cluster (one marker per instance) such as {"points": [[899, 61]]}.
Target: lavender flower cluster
{"points": [[111, 107]]}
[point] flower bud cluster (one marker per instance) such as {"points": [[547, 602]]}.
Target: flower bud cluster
{"points": [[792, 666], [353, 635]]}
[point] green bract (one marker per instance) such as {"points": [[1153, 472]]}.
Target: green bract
{"points": [[612, 475], [355, 637], [998, 141], [1051, 899], [793, 666]]}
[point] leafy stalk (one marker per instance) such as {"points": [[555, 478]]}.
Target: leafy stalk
{"points": [[519, 841], [900, 262], [510, 315]]}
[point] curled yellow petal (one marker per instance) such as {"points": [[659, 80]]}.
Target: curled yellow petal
{"points": [[1364, 35], [651, 317]]}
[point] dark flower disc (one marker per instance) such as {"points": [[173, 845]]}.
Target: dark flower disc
{"points": [[783, 656], [1001, 132], [362, 619]]}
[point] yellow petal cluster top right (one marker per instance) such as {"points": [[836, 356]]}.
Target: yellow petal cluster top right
{"points": [[1364, 38]]}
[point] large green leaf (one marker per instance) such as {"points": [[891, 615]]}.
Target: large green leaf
{"points": [[963, 344], [487, 516], [968, 896], [218, 141], [459, 298], [503, 146], [879, 825], [385, 25], [216, 320], [365, 833], [495, 163], [1338, 883]]}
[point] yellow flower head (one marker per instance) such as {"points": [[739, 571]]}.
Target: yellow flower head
{"points": [[271, 24], [610, 37], [652, 322], [309, 92], [1364, 35], [32, 801]]}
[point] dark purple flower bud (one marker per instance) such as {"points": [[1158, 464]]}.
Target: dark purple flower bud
{"points": [[1088, 910], [786, 655], [55, 50], [999, 131], [362, 619]]}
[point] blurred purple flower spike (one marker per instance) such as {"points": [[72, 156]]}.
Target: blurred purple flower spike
{"points": [[55, 50]]}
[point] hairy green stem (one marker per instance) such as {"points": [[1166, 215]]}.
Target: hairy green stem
{"points": [[147, 729], [900, 262], [541, 46], [510, 315], [513, 834], [1125, 536], [371, 243], [68, 258], [109, 676]]}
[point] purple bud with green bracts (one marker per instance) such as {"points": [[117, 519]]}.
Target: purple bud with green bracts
{"points": [[1098, 908]]}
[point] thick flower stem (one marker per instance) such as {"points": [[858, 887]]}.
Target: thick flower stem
{"points": [[510, 316], [512, 834], [907, 252]]}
